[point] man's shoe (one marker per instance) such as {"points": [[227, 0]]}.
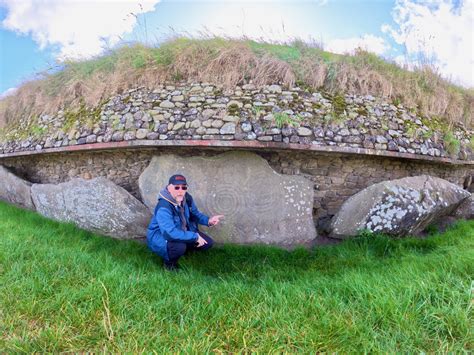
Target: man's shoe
{"points": [[171, 266]]}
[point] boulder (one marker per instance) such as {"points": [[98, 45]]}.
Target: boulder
{"points": [[97, 205], [465, 209], [15, 190], [398, 207], [260, 205]]}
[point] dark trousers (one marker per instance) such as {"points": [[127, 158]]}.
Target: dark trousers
{"points": [[178, 249]]}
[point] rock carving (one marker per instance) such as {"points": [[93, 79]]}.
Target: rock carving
{"points": [[260, 205]]}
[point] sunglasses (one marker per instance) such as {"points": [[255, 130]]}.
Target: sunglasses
{"points": [[178, 187]]}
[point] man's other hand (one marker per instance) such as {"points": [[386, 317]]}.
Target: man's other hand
{"points": [[214, 220], [201, 241]]}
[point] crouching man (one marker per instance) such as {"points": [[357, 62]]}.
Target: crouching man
{"points": [[173, 229]]}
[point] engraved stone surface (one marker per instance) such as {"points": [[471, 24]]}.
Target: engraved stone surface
{"points": [[15, 190], [260, 205], [97, 205], [465, 209], [398, 207]]}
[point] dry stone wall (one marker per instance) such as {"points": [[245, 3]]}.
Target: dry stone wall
{"points": [[246, 113], [336, 177]]}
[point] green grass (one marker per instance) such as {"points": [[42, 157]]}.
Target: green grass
{"points": [[286, 53], [283, 119], [451, 144], [64, 289]]}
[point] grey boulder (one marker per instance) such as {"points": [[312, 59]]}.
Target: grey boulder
{"points": [[469, 183], [398, 207], [15, 190], [465, 209], [260, 206], [97, 205]]}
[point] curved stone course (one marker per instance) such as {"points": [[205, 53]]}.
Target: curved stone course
{"points": [[246, 114], [250, 145]]}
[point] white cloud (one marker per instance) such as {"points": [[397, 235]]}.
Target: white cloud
{"points": [[367, 42], [80, 29], [8, 92], [321, 2], [439, 32], [253, 2]]}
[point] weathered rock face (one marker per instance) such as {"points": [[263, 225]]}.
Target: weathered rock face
{"points": [[260, 206], [398, 207], [465, 209], [469, 183], [97, 205], [15, 190]]}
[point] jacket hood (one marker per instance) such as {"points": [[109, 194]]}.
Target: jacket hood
{"points": [[165, 194]]}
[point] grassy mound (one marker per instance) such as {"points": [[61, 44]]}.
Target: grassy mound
{"points": [[232, 62], [65, 290]]}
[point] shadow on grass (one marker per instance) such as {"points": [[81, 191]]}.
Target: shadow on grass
{"points": [[234, 261], [268, 262], [256, 262]]}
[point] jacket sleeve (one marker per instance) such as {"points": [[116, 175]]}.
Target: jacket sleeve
{"points": [[200, 217], [165, 221]]}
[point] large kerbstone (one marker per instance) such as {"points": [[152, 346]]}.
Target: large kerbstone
{"points": [[15, 190], [260, 205], [97, 205], [398, 207], [465, 209]]}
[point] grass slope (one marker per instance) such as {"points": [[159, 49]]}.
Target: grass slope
{"points": [[231, 62], [64, 289]]}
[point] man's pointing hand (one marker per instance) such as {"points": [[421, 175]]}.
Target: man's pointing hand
{"points": [[214, 220]]}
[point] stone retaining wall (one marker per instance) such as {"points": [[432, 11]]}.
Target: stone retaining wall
{"points": [[247, 113], [336, 176]]}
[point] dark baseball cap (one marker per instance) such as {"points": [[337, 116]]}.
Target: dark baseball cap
{"points": [[177, 179]]}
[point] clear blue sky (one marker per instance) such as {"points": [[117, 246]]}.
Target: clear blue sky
{"points": [[34, 35]]}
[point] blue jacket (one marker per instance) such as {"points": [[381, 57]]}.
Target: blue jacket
{"points": [[166, 225]]}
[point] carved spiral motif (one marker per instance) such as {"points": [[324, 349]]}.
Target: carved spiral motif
{"points": [[226, 200], [266, 201]]}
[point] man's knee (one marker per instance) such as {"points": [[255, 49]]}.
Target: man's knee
{"points": [[176, 250], [210, 241]]}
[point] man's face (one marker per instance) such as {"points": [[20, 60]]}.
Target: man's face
{"points": [[177, 192]]}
